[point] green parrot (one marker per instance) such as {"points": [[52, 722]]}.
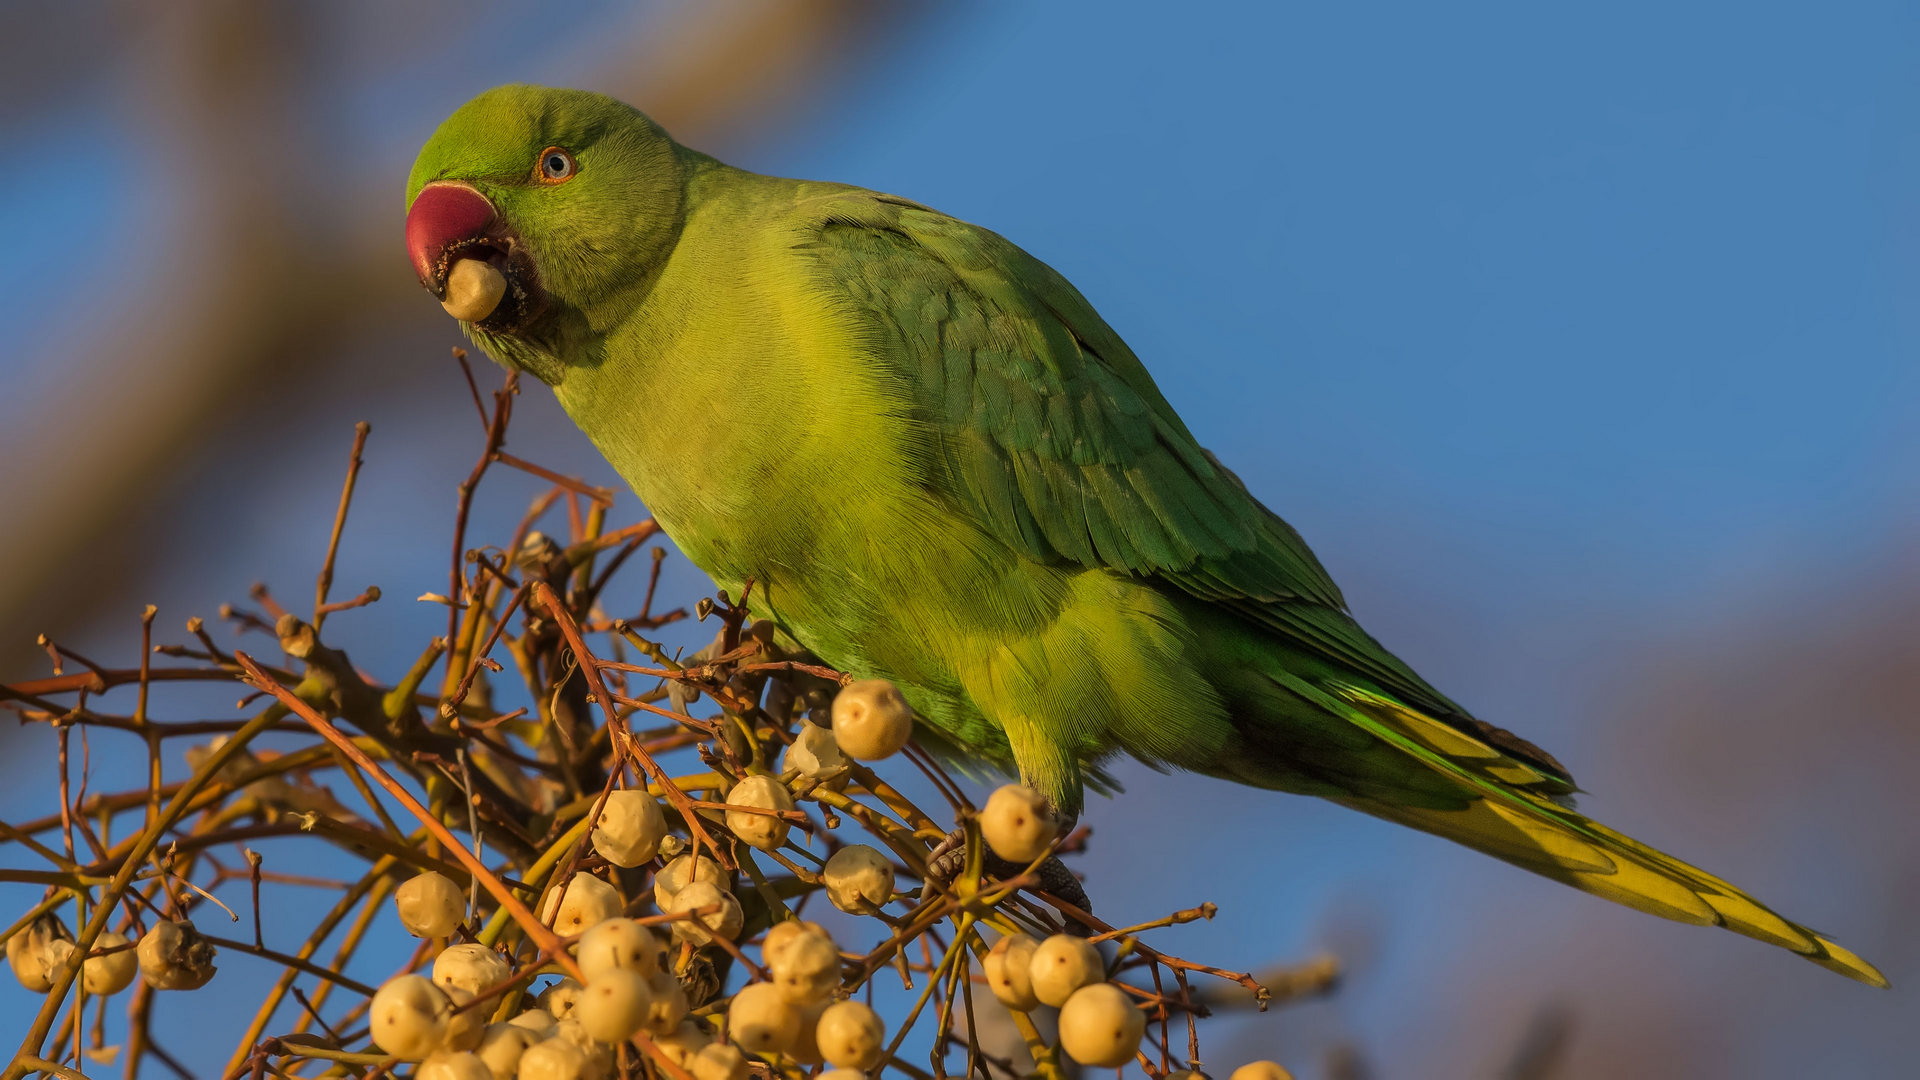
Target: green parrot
{"points": [[939, 466]]}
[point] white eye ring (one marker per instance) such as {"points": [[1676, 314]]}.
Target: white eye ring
{"points": [[556, 165]]}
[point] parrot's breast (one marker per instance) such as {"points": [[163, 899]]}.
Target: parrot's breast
{"points": [[743, 408]]}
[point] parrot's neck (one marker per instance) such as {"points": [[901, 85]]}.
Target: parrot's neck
{"points": [[724, 392]]}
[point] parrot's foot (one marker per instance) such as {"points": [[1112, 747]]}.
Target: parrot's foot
{"points": [[949, 858], [704, 976]]}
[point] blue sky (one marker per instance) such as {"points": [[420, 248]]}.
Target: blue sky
{"points": [[1560, 334]]}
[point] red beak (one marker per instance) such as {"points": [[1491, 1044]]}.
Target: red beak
{"points": [[443, 214]]}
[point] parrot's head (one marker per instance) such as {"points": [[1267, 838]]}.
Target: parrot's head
{"points": [[532, 212]]}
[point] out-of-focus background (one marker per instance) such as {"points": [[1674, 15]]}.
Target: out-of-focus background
{"points": [[1581, 345]]}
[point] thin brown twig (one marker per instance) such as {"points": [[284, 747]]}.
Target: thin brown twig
{"points": [[264, 597], [460, 356], [496, 435], [286, 960], [369, 595], [57, 652], [1204, 911], [579, 487], [254, 860], [325, 580], [1261, 994], [451, 706], [108, 678]]}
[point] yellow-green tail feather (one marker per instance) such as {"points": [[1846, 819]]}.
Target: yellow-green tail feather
{"points": [[1505, 819]]}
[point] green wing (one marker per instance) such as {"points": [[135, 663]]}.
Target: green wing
{"points": [[1053, 432], [1054, 437]]}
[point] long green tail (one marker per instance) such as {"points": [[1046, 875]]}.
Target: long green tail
{"points": [[1511, 820]]}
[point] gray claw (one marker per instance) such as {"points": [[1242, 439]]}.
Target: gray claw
{"points": [[949, 857]]}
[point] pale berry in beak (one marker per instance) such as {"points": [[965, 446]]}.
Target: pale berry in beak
{"points": [[474, 289]]}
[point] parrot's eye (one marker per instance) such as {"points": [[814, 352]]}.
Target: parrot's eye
{"points": [[556, 165]]}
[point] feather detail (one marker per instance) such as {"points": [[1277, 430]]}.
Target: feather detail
{"points": [[1520, 826]]}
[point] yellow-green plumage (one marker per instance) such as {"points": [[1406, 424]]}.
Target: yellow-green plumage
{"points": [[939, 466]]}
